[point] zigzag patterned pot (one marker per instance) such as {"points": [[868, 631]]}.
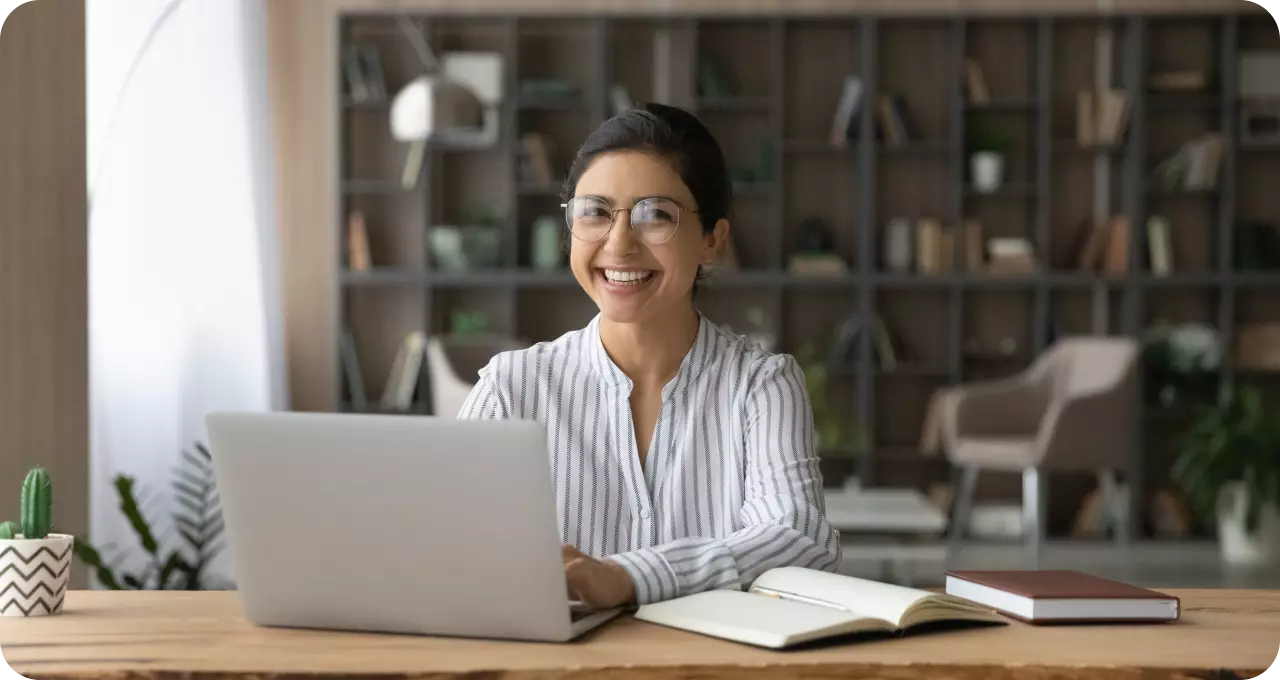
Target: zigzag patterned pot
{"points": [[34, 574]]}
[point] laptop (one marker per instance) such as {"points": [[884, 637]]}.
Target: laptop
{"points": [[394, 523]]}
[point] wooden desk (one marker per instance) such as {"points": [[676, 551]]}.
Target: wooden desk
{"points": [[201, 636]]}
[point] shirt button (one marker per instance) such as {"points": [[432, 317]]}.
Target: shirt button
{"points": [[644, 513]]}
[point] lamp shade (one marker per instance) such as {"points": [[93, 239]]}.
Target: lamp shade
{"points": [[431, 104]]}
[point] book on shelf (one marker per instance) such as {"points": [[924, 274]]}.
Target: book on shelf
{"points": [[929, 246], [351, 371], [1011, 255], [1178, 80], [974, 254], [846, 115], [620, 99], [1194, 166], [358, 258], [1160, 245], [402, 382], [976, 82], [1116, 262], [374, 78], [538, 160], [1059, 596], [1102, 116], [787, 606], [353, 71], [895, 121]]}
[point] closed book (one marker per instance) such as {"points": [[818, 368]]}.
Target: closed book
{"points": [[1061, 596]]}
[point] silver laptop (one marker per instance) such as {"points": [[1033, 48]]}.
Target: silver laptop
{"points": [[388, 523]]}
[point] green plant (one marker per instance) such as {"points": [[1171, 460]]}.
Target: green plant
{"points": [[836, 434], [989, 138], [1235, 439], [35, 515], [197, 518]]}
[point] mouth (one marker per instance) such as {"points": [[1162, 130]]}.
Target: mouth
{"points": [[626, 279]]}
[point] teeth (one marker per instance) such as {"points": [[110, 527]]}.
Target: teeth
{"points": [[616, 276]]}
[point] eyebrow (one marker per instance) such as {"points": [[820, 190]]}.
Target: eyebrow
{"points": [[634, 199]]}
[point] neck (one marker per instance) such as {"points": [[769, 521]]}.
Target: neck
{"points": [[650, 353]]}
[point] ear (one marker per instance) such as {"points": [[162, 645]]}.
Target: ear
{"points": [[713, 242]]}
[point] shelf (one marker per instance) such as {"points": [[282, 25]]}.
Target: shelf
{"points": [[912, 369], [573, 103], [1183, 101], [816, 146], [1070, 146], [857, 186], [758, 278], [740, 104], [1020, 190], [932, 147], [372, 186], [1004, 105]]}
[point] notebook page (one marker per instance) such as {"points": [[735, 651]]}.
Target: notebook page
{"points": [[860, 596]]}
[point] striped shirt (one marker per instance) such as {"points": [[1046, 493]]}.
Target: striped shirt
{"points": [[730, 487]]}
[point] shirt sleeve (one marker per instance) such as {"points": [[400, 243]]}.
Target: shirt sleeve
{"points": [[486, 400], [783, 520]]}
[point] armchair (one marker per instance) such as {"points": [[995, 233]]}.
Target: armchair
{"points": [[1073, 409], [453, 365]]}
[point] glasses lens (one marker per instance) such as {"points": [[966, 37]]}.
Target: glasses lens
{"points": [[588, 218], [655, 219]]}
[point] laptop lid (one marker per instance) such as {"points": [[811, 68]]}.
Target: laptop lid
{"points": [[392, 523]]}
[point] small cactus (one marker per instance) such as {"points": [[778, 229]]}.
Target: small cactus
{"points": [[9, 531], [37, 504]]}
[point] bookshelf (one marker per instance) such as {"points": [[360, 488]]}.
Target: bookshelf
{"points": [[787, 73]]}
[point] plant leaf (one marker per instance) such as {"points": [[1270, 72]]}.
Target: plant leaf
{"points": [[129, 506]]}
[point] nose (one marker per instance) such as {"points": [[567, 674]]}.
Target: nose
{"points": [[621, 240]]}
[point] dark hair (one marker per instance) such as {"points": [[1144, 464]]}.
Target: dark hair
{"points": [[670, 133]]}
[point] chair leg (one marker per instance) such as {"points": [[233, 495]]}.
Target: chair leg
{"points": [[961, 508], [1117, 507], [1033, 514]]}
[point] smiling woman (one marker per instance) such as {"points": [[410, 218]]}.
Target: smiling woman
{"points": [[684, 458]]}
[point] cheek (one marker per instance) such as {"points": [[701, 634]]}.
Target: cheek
{"points": [[680, 257]]}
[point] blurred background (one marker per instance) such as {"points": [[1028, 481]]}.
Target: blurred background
{"points": [[1028, 252]]}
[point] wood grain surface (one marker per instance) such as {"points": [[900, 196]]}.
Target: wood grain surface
{"points": [[203, 636]]}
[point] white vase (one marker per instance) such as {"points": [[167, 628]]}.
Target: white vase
{"points": [[987, 168], [1239, 546], [34, 575]]}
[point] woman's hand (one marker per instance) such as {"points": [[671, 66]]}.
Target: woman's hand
{"points": [[599, 584]]}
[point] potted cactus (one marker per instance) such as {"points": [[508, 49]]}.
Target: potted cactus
{"points": [[35, 564]]}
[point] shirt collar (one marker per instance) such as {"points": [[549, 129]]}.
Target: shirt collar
{"points": [[698, 357]]}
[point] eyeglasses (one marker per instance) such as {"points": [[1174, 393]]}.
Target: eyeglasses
{"points": [[653, 220]]}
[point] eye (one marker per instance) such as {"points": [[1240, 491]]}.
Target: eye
{"points": [[658, 211]]}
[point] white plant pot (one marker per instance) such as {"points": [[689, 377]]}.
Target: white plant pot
{"points": [[34, 575], [987, 168], [1237, 545]]}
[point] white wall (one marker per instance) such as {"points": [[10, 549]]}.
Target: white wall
{"points": [[183, 275]]}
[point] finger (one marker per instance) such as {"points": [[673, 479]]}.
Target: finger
{"points": [[569, 552]]}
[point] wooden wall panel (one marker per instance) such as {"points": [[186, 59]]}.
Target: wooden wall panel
{"points": [[303, 44], [44, 413]]}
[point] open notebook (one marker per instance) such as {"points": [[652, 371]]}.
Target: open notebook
{"points": [[791, 605]]}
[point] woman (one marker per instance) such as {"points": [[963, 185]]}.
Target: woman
{"points": [[683, 459]]}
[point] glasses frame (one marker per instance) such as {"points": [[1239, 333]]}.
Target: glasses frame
{"points": [[613, 218]]}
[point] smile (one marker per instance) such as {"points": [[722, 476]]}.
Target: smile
{"points": [[627, 278]]}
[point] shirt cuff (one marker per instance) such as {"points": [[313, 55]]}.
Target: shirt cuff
{"points": [[655, 580]]}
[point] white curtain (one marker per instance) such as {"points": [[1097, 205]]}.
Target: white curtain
{"points": [[183, 277]]}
